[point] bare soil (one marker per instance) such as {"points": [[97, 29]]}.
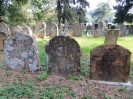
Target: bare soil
{"points": [[80, 87]]}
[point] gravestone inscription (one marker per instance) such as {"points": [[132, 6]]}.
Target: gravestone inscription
{"points": [[63, 56], [110, 62]]}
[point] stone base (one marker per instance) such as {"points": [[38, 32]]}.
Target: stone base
{"points": [[127, 85]]}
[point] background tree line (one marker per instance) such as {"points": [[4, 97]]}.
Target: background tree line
{"points": [[14, 12]]}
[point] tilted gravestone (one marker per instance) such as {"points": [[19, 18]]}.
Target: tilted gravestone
{"points": [[111, 36], [63, 56], [77, 29], [4, 30], [53, 30], [110, 62], [21, 52]]}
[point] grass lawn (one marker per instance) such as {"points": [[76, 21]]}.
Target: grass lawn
{"points": [[23, 85]]}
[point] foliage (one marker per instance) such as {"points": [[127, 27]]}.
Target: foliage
{"points": [[2, 10], [123, 12], [64, 9], [17, 91], [102, 12], [17, 15], [43, 10], [43, 76]]}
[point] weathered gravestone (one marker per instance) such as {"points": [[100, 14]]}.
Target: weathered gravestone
{"points": [[111, 36], [4, 30], [21, 52], [131, 29], [53, 30], [27, 30], [40, 29], [63, 56], [77, 29], [97, 33], [110, 62], [2, 35]]}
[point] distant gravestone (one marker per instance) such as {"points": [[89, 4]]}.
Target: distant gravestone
{"points": [[2, 35], [63, 56], [70, 32], [40, 29], [77, 29], [110, 62], [131, 29], [21, 52], [13, 29], [111, 36], [97, 33], [4, 28], [53, 30], [27, 30]]}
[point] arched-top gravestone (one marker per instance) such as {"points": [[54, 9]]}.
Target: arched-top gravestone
{"points": [[21, 52], [63, 56], [4, 28], [53, 30], [40, 29], [27, 30], [110, 62]]}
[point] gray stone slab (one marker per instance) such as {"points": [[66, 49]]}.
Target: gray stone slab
{"points": [[127, 85]]}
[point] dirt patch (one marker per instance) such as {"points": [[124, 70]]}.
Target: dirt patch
{"points": [[73, 89]]}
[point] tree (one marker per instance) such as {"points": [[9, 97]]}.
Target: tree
{"points": [[64, 9], [43, 10], [102, 12], [2, 10], [4, 4], [123, 11]]}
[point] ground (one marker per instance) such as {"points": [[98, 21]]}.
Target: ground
{"points": [[54, 86]]}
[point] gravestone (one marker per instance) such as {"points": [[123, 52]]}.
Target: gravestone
{"points": [[13, 29], [110, 62], [70, 32], [4, 28], [131, 29], [127, 31], [77, 29], [40, 29], [97, 33], [111, 36], [27, 30], [53, 30], [63, 56], [21, 52], [2, 35]]}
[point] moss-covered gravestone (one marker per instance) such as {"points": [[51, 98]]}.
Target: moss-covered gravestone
{"points": [[63, 56], [110, 62]]}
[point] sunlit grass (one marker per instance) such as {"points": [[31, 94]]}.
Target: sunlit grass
{"points": [[87, 44]]}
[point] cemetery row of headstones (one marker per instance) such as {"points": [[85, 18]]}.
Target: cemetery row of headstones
{"points": [[108, 62]]}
